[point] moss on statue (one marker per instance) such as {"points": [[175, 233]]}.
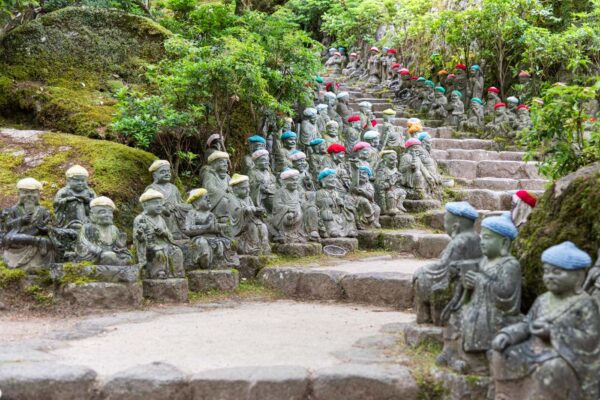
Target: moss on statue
{"points": [[9, 276], [62, 67], [568, 210]]}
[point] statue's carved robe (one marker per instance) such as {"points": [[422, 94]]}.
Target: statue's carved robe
{"points": [[175, 209]]}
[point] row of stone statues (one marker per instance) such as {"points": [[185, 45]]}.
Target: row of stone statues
{"points": [[474, 292]]}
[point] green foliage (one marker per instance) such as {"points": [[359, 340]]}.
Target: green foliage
{"points": [[9, 276], [40, 295], [78, 273], [564, 136]]}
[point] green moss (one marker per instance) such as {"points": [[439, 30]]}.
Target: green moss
{"points": [[40, 295], [422, 363], [9, 276], [247, 290], [78, 273]]}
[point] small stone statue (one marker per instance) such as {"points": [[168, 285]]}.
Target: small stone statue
{"points": [[493, 98], [428, 97], [435, 283], [331, 133], [475, 82], [373, 67], [475, 117], [156, 249], [322, 118], [512, 103], [337, 152], [367, 118], [362, 152], [352, 132], [352, 65], [523, 204], [461, 80], [391, 135], [501, 125], [255, 143], [424, 152], [524, 89], [416, 178], [288, 146], [372, 138], [300, 164], [336, 209], [319, 159], [263, 183], [249, 230], [72, 203], [331, 99], [343, 108], [554, 352], [100, 241], [438, 108], [216, 181], [490, 300], [287, 222], [456, 108], [389, 193], [308, 127], [173, 208], [367, 211], [450, 83], [214, 143], [209, 247], [426, 143], [25, 236], [523, 120]]}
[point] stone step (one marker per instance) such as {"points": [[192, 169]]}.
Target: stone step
{"points": [[467, 144], [434, 219], [377, 282], [419, 243], [503, 183], [490, 199], [476, 155], [466, 169]]}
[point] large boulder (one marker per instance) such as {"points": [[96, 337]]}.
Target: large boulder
{"points": [[62, 67], [569, 210]]}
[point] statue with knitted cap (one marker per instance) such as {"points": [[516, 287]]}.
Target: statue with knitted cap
{"points": [[353, 131], [367, 118], [332, 101], [174, 208], [322, 118], [389, 193], [337, 152], [434, 283], [343, 109], [427, 97], [554, 351], [318, 157], [307, 189], [523, 204], [416, 178], [209, 247], [488, 300], [492, 98], [99, 240], [287, 221], [461, 81], [500, 126], [288, 141], [336, 210], [248, 228], [255, 143], [308, 127], [263, 183], [25, 230], [157, 251], [363, 192], [72, 202], [438, 109], [475, 85], [474, 118], [522, 120], [424, 153], [456, 109], [391, 135], [331, 133], [216, 182]]}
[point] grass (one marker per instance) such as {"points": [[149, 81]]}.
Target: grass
{"points": [[283, 261], [247, 290]]}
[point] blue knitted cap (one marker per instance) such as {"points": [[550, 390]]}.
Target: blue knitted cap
{"points": [[502, 225], [366, 168], [316, 141], [475, 66], [325, 173], [566, 256], [462, 209], [256, 139], [288, 135], [423, 135]]}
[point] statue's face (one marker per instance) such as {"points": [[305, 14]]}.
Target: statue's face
{"points": [[405, 77], [491, 95], [331, 101], [331, 52], [322, 111], [391, 160], [439, 94], [474, 72], [102, 215], [332, 130], [355, 124], [329, 182], [522, 112], [454, 97], [450, 223], [364, 109], [313, 118], [373, 142], [321, 148], [300, 164], [289, 143], [500, 111], [363, 176], [512, 106], [474, 105], [241, 190], [202, 203], [77, 183], [492, 244], [220, 166], [255, 146], [262, 163], [291, 183], [338, 158], [363, 154], [162, 175], [153, 207], [287, 125], [560, 281], [29, 198], [427, 144]]}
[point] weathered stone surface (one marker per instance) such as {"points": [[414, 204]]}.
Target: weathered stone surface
{"points": [[155, 381], [364, 382], [320, 285], [251, 265], [298, 249], [444, 132], [416, 206], [46, 380], [495, 183], [462, 387], [511, 155], [218, 279], [486, 199], [386, 289], [459, 168], [284, 280], [370, 239], [420, 334], [433, 219], [399, 221], [439, 154], [533, 184], [166, 290], [103, 294], [469, 144], [255, 383], [507, 169], [102, 273], [349, 244], [431, 245]]}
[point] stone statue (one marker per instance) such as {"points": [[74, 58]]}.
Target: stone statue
{"points": [[331, 133], [322, 118], [461, 81], [156, 248], [501, 125], [318, 158], [308, 127], [334, 63], [26, 230], [100, 241], [343, 108], [249, 230], [492, 98], [336, 210], [288, 145], [331, 99], [255, 143], [475, 82], [362, 152], [512, 103], [216, 181], [367, 211], [424, 153], [263, 183], [428, 97], [389, 193], [523, 204], [352, 132], [352, 65], [474, 120], [438, 108], [450, 83], [456, 108], [392, 136], [367, 118], [337, 152], [372, 138], [173, 208], [416, 178], [488, 300], [592, 281], [373, 67], [524, 89], [72, 203], [435, 283], [287, 222], [553, 353], [523, 120]]}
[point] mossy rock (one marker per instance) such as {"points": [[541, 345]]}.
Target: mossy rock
{"points": [[569, 210], [117, 171], [62, 67]]}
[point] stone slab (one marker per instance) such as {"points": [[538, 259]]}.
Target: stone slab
{"points": [[320, 285], [469, 144], [216, 279], [385, 289], [103, 295], [298, 249], [251, 265], [464, 169], [486, 199], [507, 169], [166, 290], [421, 334], [417, 206], [348, 244], [462, 387], [398, 221], [495, 183]]}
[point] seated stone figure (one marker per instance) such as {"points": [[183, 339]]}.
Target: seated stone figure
{"points": [[352, 131], [216, 181], [331, 133], [474, 119], [416, 178], [307, 189], [456, 108], [501, 125], [255, 143], [389, 193], [25, 230], [262, 181], [554, 352], [367, 211], [372, 137], [72, 203], [100, 241], [287, 145], [336, 210], [438, 107], [174, 209], [391, 135], [492, 98], [249, 230], [337, 152], [488, 299], [318, 158], [522, 120], [156, 248], [308, 127], [209, 247], [434, 283], [287, 222]]}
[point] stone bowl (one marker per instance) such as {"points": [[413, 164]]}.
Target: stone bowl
{"points": [[334, 251]]}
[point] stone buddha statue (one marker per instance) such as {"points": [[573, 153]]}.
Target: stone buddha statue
{"points": [[475, 82], [352, 65], [438, 107], [501, 125], [331, 133], [337, 152], [287, 219], [249, 230], [331, 99], [389, 193], [523, 120], [552, 353], [288, 140], [214, 143], [373, 67], [216, 182], [428, 97], [156, 248], [343, 108], [523, 204], [209, 247], [363, 192], [524, 89], [416, 178], [435, 283], [424, 153], [308, 127], [461, 81], [456, 109], [367, 118], [372, 138], [336, 210], [318, 158], [263, 183], [475, 117], [173, 208], [488, 300], [72, 202], [25, 230], [353, 131], [492, 98], [322, 118], [255, 143], [391, 135], [362, 152], [99, 240]]}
